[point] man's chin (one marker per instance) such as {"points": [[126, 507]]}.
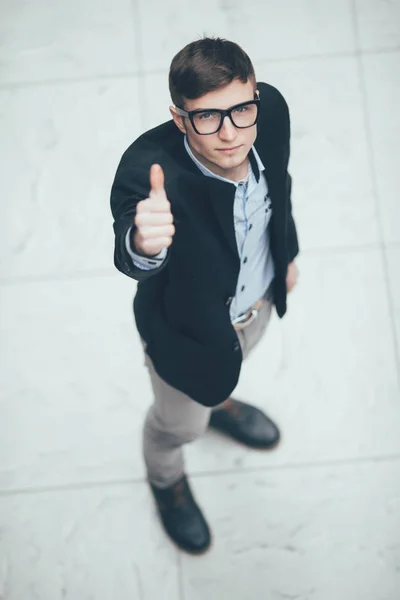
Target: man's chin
{"points": [[231, 162]]}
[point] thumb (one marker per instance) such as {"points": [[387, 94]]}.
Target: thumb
{"points": [[156, 179]]}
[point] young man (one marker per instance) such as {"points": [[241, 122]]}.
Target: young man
{"points": [[203, 221]]}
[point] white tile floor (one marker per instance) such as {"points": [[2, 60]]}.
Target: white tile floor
{"points": [[319, 518]]}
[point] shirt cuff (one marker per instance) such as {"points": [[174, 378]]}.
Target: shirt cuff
{"points": [[146, 263]]}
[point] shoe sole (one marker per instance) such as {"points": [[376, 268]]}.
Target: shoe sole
{"points": [[182, 548], [244, 444]]}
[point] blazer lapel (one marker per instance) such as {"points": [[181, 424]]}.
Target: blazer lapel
{"points": [[221, 198], [275, 173]]}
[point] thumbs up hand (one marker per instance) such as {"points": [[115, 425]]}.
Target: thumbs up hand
{"points": [[154, 220]]}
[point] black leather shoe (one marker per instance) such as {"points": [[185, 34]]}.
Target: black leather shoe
{"points": [[182, 518], [246, 424]]}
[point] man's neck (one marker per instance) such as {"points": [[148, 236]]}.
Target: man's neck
{"points": [[236, 174]]}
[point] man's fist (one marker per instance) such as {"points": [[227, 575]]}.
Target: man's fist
{"points": [[154, 220]]}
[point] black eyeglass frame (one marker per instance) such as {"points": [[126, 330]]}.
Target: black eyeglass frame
{"points": [[223, 113]]}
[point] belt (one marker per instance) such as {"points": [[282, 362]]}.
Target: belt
{"points": [[248, 317], [251, 315]]}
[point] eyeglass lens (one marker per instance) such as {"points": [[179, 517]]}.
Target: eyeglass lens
{"points": [[209, 121]]}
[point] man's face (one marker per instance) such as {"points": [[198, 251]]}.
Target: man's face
{"points": [[225, 152]]}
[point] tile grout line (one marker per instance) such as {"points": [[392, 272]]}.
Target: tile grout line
{"points": [[13, 85], [334, 462], [68, 276], [79, 486], [340, 462], [100, 78], [371, 161], [328, 55]]}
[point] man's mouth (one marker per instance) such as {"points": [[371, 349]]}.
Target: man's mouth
{"points": [[228, 150]]}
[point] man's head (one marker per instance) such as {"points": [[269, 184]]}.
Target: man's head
{"points": [[215, 74]]}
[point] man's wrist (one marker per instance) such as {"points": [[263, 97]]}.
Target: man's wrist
{"points": [[134, 246], [137, 255]]}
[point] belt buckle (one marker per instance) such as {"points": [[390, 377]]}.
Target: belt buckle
{"points": [[243, 320], [254, 313]]}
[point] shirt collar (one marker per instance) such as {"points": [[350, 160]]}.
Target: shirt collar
{"points": [[255, 164]]}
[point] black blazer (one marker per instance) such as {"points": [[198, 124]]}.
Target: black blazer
{"points": [[182, 307]]}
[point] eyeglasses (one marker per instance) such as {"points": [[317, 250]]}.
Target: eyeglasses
{"points": [[207, 122]]}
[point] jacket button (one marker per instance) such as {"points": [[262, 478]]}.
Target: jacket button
{"points": [[229, 300], [236, 346]]}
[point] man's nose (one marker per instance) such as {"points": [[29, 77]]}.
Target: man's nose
{"points": [[228, 130]]}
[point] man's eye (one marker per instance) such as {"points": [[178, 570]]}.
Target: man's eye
{"points": [[241, 109], [207, 116]]}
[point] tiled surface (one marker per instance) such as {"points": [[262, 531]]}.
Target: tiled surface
{"points": [[268, 29], [378, 24], [60, 148], [76, 389], [319, 516], [46, 41], [393, 259], [307, 535], [100, 542]]}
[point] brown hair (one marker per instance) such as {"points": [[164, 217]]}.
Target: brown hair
{"points": [[207, 65]]}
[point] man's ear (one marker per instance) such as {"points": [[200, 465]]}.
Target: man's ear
{"points": [[178, 120]]}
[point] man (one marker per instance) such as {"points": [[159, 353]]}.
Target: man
{"points": [[203, 221]]}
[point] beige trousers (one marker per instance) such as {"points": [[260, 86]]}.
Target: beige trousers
{"points": [[174, 419]]}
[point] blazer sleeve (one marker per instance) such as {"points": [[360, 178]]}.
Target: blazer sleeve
{"points": [[131, 185], [293, 242], [292, 238]]}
